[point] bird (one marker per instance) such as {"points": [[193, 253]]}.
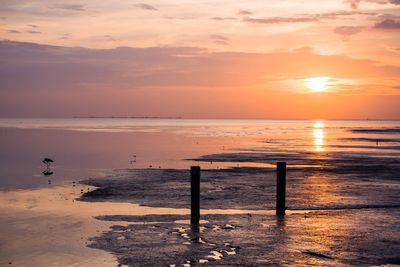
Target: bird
{"points": [[47, 161]]}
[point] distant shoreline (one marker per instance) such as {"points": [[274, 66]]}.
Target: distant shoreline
{"points": [[186, 118], [251, 119], [123, 117]]}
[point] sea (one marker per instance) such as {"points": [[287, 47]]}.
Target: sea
{"points": [[344, 211], [89, 147]]}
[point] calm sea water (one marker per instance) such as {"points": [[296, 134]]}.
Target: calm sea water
{"points": [[83, 148]]}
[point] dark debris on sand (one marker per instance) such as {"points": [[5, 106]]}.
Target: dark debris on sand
{"points": [[359, 237]]}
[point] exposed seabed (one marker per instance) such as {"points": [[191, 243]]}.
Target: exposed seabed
{"points": [[333, 218]]}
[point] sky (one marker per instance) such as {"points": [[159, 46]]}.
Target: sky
{"points": [[271, 59]]}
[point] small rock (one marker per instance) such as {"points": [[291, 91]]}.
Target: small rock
{"points": [[317, 254], [228, 227]]}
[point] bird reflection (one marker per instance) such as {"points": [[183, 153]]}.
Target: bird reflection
{"points": [[47, 172], [195, 233]]}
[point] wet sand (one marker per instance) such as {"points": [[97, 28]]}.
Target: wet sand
{"points": [[252, 188], [47, 227], [319, 238], [336, 216]]}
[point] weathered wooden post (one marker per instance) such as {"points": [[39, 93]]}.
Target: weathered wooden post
{"points": [[280, 188], [195, 195]]}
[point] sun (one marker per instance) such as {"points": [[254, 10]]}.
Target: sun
{"points": [[317, 84]]}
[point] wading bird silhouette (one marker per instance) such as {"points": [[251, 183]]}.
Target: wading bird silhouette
{"points": [[47, 161]]}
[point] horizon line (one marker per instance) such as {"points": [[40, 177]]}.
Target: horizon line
{"points": [[201, 118]]}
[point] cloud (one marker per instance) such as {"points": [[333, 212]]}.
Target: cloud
{"points": [[33, 26], [67, 81], [33, 32], [348, 30], [13, 31], [110, 38], [65, 36], [353, 3], [339, 14], [276, 20], [223, 18], [219, 39], [146, 6], [383, 2], [46, 67], [304, 49], [180, 18], [244, 12], [303, 18], [71, 7], [388, 24]]}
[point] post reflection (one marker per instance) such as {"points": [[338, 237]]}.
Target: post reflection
{"points": [[318, 136], [195, 233]]}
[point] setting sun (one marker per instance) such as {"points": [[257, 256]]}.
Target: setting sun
{"points": [[317, 84]]}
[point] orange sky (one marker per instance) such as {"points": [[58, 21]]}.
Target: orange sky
{"points": [[196, 59]]}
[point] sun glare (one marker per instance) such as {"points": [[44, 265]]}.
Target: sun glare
{"points": [[317, 84], [318, 134]]}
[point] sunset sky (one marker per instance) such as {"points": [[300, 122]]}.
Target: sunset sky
{"points": [[330, 59]]}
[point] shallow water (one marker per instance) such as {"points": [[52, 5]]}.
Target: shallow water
{"points": [[91, 147]]}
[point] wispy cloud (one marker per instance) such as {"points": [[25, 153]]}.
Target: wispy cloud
{"points": [[388, 24], [353, 3], [13, 31], [275, 20], [180, 18], [33, 32], [146, 6], [109, 38], [223, 18], [65, 36], [304, 49], [382, 2], [71, 7], [244, 12], [348, 30], [302, 18], [219, 39]]}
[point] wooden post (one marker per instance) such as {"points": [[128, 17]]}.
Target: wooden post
{"points": [[280, 188], [195, 195]]}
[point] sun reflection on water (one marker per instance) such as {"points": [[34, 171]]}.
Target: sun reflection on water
{"points": [[318, 136]]}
